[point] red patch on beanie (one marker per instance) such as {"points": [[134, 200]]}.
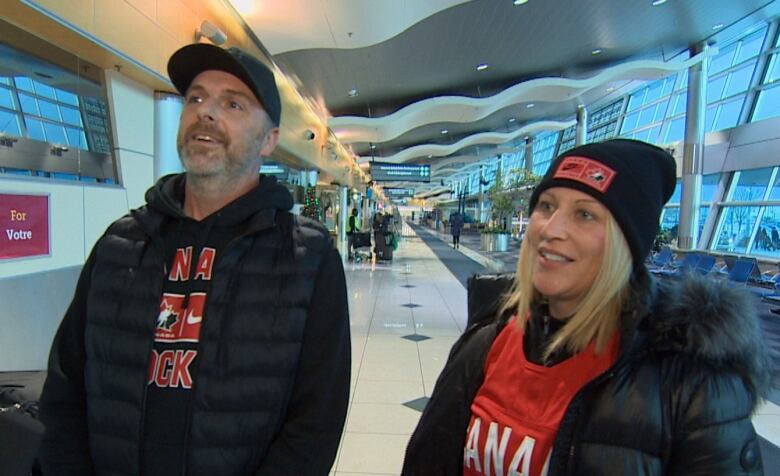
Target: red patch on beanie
{"points": [[590, 172]]}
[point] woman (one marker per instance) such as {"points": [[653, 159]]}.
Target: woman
{"points": [[593, 368]]}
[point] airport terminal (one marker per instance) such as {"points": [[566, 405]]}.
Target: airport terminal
{"points": [[415, 138]]}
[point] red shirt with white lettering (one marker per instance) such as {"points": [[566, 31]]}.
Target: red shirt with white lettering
{"points": [[518, 409]]}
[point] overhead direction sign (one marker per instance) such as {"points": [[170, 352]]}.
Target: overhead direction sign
{"points": [[386, 172], [399, 192]]}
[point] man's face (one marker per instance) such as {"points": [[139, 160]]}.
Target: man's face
{"points": [[223, 130]]}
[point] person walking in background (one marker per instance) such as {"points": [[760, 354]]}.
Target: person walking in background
{"points": [[591, 367], [456, 224], [352, 229], [209, 331]]}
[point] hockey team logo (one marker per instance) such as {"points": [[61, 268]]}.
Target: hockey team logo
{"points": [[177, 324], [586, 171]]}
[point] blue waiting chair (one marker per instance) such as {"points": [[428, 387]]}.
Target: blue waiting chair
{"points": [[704, 264], [688, 263], [661, 259], [740, 271]]}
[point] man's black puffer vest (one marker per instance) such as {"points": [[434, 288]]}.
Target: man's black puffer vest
{"points": [[249, 348]]}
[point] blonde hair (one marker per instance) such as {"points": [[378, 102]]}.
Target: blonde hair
{"points": [[597, 316]]}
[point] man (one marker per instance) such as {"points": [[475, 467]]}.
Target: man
{"points": [[209, 331], [352, 229]]}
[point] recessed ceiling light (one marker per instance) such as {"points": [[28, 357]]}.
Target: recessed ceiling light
{"points": [[610, 89], [596, 52], [373, 146], [430, 156], [530, 105], [718, 26], [658, 2], [482, 67], [512, 119], [444, 131], [352, 92], [520, 2]]}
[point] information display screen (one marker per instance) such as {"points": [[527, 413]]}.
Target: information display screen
{"points": [[385, 172], [399, 192]]}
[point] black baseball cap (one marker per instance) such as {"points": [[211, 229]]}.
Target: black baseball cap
{"points": [[191, 60]]}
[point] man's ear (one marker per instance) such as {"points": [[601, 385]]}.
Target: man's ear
{"points": [[269, 142]]}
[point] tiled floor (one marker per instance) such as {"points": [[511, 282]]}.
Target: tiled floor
{"points": [[405, 316]]}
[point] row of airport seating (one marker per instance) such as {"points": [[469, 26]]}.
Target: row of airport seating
{"points": [[737, 270]]}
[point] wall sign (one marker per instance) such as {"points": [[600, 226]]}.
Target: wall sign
{"points": [[24, 225]]}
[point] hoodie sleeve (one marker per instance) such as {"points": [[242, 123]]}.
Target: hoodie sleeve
{"points": [[309, 439], [63, 408]]}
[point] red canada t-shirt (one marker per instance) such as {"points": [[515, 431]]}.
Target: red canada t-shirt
{"points": [[518, 409]]}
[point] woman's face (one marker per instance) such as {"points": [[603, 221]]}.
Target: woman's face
{"points": [[566, 230]]}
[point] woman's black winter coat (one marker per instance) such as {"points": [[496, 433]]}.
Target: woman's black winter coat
{"points": [[678, 401]]}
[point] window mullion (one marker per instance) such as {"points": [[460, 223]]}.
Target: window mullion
{"points": [[760, 72]]}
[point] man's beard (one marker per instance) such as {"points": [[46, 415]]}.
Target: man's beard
{"points": [[230, 159]]}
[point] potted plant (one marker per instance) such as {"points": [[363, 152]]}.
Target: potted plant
{"points": [[505, 199]]}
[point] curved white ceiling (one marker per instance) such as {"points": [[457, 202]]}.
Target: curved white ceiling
{"points": [[464, 109], [290, 25], [438, 150]]}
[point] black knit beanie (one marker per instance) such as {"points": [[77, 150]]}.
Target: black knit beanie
{"points": [[632, 179]]}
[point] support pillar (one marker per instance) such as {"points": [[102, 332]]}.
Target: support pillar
{"points": [[693, 153], [342, 223], [582, 125], [529, 155], [167, 109]]}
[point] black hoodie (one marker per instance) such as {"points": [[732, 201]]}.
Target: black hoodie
{"points": [[192, 248]]}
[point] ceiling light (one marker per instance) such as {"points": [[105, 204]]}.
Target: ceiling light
{"points": [[520, 2], [610, 89], [718, 26], [596, 52], [444, 131], [512, 119], [352, 92], [482, 67], [530, 105], [430, 156], [658, 2]]}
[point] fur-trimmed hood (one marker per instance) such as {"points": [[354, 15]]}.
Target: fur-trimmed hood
{"points": [[710, 321]]}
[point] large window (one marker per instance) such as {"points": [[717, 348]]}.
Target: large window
{"points": [[656, 112], [544, 151], [751, 215], [768, 102], [737, 226], [602, 125], [670, 219], [42, 101]]}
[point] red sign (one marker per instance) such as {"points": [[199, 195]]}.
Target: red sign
{"points": [[24, 225]]}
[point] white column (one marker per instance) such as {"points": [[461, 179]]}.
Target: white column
{"points": [[343, 217], [528, 155], [693, 153], [582, 125], [167, 109]]}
